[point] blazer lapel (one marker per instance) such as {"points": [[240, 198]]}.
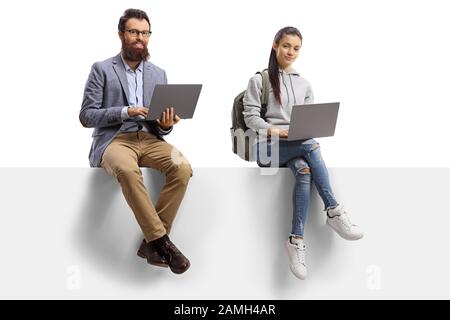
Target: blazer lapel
{"points": [[119, 69], [149, 84]]}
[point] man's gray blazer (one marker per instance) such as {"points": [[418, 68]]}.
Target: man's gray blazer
{"points": [[105, 94]]}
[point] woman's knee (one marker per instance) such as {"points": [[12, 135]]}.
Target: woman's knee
{"points": [[314, 153], [299, 166]]}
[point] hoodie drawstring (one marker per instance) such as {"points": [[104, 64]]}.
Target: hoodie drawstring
{"points": [[287, 90], [293, 92]]}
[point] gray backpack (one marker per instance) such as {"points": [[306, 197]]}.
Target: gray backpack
{"points": [[243, 138]]}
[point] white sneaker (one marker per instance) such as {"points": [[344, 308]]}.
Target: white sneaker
{"points": [[296, 253], [339, 221]]}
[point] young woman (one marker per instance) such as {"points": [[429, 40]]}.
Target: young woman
{"points": [[287, 88]]}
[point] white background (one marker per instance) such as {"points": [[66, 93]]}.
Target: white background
{"points": [[386, 61]]}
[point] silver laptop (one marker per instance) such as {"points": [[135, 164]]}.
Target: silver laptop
{"points": [[183, 97], [313, 120]]}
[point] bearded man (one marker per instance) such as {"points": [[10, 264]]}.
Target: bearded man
{"points": [[116, 104]]}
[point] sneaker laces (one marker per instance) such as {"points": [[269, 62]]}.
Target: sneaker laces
{"points": [[342, 217], [345, 220], [300, 256]]}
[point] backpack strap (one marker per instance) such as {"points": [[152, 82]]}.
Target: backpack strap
{"points": [[265, 91]]}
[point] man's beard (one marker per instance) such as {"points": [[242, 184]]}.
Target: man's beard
{"points": [[133, 54]]}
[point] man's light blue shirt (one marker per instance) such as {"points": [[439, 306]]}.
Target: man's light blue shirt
{"points": [[135, 96], [135, 81]]}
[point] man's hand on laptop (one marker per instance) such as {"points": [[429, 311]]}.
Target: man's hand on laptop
{"points": [[274, 131], [137, 111], [168, 119]]}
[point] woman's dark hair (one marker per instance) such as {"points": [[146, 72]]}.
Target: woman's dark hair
{"points": [[131, 13], [273, 63]]}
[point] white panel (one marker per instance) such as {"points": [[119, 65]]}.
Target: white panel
{"points": [[68, 233]]}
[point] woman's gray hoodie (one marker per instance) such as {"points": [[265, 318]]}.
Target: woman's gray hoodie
{"points": [[295, 90]]}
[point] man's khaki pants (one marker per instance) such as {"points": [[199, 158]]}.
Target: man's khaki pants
{"points": [[122, 159]]}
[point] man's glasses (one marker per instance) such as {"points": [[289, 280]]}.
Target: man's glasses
{"points": [[135, 33]]}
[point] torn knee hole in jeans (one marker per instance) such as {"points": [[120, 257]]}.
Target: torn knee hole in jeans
{"points": [[304, 170], [300, 166], [315, 146]]}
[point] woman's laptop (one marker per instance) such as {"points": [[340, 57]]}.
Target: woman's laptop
{"points": [[313, 120]]}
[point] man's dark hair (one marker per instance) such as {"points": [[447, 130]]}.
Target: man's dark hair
{"points": [[131, 13]]}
